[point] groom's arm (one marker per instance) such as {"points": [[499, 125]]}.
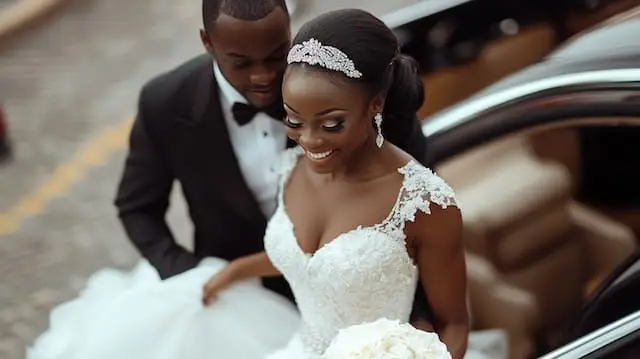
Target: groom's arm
{"points": [[143, 199]]}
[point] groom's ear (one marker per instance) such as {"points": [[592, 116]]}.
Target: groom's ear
{"points": [[206, 41]]}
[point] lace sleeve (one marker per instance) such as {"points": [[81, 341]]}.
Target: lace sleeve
{"points": [[437, 191], [421, 188]]}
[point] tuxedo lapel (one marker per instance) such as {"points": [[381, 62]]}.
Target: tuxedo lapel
{"points": [[210, 139]]}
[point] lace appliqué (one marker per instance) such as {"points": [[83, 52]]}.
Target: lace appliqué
{"points": [[420, 188]]}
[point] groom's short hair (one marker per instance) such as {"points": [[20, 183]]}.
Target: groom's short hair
{"points": [[248, 10]]}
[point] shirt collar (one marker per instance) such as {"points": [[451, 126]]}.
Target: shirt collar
{"points": [[231, 95]]}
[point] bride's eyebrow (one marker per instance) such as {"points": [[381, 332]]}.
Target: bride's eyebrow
{"points": [[329, 110], [291, 108], [321, 113]]}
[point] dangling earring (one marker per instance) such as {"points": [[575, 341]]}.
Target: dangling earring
{"points": [[378, 120]]}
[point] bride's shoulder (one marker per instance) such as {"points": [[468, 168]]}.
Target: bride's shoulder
{"points": [[421, 184]]}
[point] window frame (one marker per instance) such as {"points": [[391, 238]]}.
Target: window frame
{"points": [[553, 101]]}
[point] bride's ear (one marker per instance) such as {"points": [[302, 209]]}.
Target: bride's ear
{"points": [[376, 105]]}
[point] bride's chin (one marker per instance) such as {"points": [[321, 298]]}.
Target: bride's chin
{"points": [[320, 168], [323, 167]]}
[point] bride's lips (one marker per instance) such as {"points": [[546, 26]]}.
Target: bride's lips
{"points": [[319, 156]]}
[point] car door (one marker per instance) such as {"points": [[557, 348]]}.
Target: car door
{"points": [[618, 296], [618, 340], [545, 240]]}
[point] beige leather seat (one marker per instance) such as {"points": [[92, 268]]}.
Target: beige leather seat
{"points": [[538, 245], [495, 303], [562, 146], [540, 295]]}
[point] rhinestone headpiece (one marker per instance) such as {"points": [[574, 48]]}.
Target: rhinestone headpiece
{"points": [[313, 52]]}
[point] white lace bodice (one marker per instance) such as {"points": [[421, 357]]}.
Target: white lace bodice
{"points": [[362, 275]]}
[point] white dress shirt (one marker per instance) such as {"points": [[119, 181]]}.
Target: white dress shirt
{"points": [[257, 145]]}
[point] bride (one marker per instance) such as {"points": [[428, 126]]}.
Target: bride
{"points": [[359, 222]]}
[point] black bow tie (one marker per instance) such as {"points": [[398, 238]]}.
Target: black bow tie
{"points": [[244, 113]]}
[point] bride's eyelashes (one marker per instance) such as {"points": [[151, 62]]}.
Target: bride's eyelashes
{"points": [[333, 125], [292, 123], [329, 125]]}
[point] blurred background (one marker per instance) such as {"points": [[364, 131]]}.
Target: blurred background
{"points": [[70, 73]]}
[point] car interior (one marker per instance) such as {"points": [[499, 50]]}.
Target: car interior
{"points": [[536, 252], [537, 245], [460, 53]]}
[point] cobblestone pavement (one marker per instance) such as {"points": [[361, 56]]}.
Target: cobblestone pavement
{"points": [[61, 84]]}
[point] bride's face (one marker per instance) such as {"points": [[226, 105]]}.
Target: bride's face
{"points": [[327, 115]]}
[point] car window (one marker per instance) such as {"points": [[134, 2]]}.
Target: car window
{"points": [[547, 236], [610, 176]]}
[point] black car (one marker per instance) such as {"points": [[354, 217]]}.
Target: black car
{"points": [[609, 326], [546, 166], [463, 46]]}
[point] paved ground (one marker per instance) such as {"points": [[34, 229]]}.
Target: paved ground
{"points": [[64, 84], [5, 3]]}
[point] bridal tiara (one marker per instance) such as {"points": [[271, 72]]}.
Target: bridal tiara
{"points": [[313, 52]]}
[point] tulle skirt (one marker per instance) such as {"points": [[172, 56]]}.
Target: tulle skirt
{"points": [[136, 315]]}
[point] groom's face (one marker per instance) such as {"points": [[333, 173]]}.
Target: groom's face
{"points": [[251, 54]]}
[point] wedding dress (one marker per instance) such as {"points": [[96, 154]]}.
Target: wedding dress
{"points": [[362, 275]]}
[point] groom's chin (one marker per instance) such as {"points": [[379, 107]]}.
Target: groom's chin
{"points": [[264, 95], [263, 99]]}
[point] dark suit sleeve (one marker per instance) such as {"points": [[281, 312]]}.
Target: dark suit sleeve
{"points": [[143, 198]]}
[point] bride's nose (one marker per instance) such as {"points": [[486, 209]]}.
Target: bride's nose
{"points": [[311, 140]]}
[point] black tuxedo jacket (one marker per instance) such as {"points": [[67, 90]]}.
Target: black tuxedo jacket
{"points": [[179, 134]]}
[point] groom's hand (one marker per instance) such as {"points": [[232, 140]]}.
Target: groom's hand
{"points": [[423, 324]]}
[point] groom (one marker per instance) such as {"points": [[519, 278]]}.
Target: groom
{"points": [[216, 129]]}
